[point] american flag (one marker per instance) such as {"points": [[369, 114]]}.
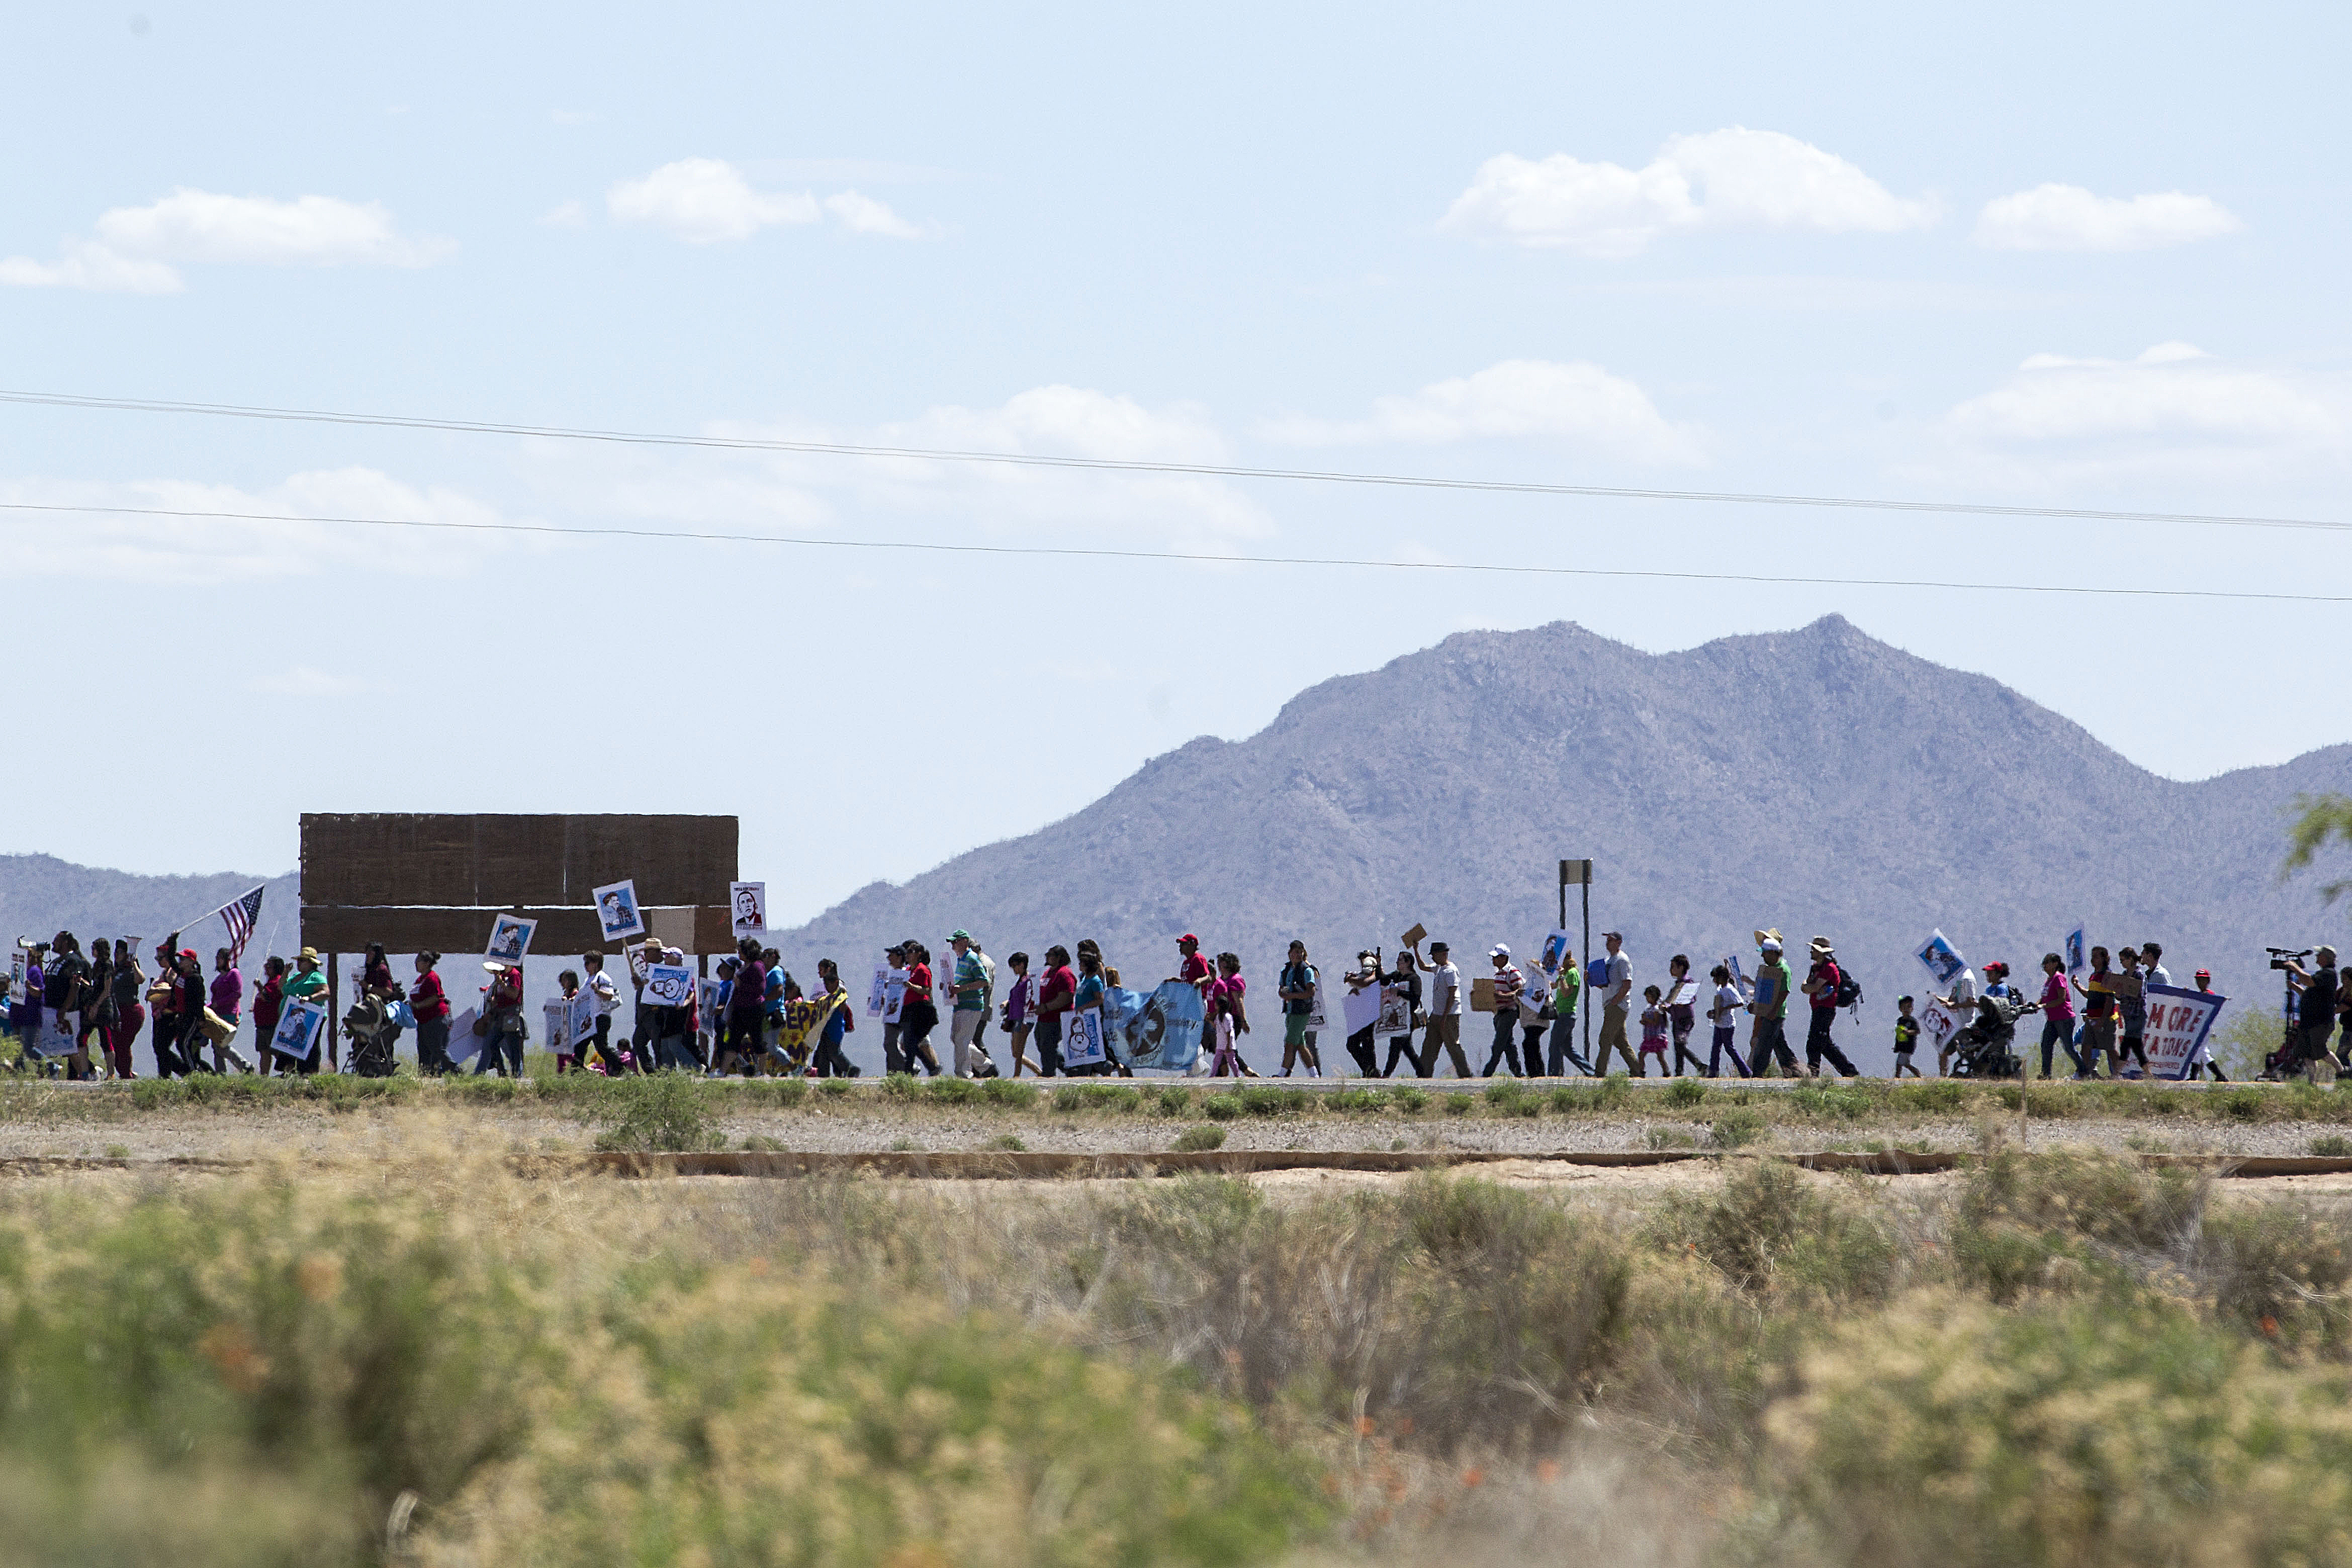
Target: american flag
{"points": [[240, 914]]}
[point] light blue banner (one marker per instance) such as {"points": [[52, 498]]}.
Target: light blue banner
{"points": [[1154, 1028]]}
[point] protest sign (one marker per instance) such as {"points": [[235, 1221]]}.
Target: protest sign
{"points": [[2178, 1022], [748, 900], [1161, 1028], [1361, 1009], [509, 938], [464, 1044], [1942, 960], [583, 1018], [1082, 1044], [617, 913], [1555, 949], [710, 1009], [1481, 994], [1318, 1011], [668, 986], [1937, 1024], [1686, 995], [1412, 937], [16, 978], [2076, 949], [877, 990], [558, 1014], [297, 1034], [894, 995], [1396, 1013]]}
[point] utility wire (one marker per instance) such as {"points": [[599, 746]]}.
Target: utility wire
{"points": [[1126, 465], [1094, 553]]}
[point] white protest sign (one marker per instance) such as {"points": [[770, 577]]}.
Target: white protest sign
{"points": [[1082, 1043], [509, 938], [1362, 1009], [748, 900], [1556, 947], [464, 1044], [617, 911], [297, 1034], [2075, 948], [1396, 1012], [1318, 1011], [2178, 1022], [1942, 960], [894, 995], [879, 992], [16, 978], [584, 1018], [1937, 1024], [668, 986], [559, 1024]]}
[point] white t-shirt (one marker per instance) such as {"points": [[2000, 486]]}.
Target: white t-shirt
{"points": [[1728, 1002], [1964, 991], [608, 997], [1445, 990], [1621, 980]]}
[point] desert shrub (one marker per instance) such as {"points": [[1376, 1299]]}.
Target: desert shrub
{"points": [[664, 1111], [2277, 1270], [951, 1090], [833, 1087], [1113, 1097], [1832, 1102], [2245, 1104], [1940, 1096], [1505, 1094], [1355, 1099], [1200, 1140], [1685, 1091], [1458, 1104], [1009, 1142], [2243, 1036], [900, 1085], [1265, 1100], [1221, 1107], [1662, 1138], [2332, 1145], [1168, 1099], [1736, 1127], [1769, 1232], [2065, 1220], [2072, 1435], [1009, 1092], [1409, 1098]]}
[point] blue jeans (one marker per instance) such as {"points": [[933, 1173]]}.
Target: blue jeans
{"points": [[2060, 1032], [1559, 1051], [501, 1047]]}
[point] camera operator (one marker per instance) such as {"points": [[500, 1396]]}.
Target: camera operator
{"points": [[2316, 995]]}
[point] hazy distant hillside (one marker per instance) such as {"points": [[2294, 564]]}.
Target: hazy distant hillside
{"points": [[40, 896], [1816, 780]]}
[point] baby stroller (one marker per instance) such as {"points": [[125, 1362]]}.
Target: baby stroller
{"points": [[374, 1036], [1983, 1049]]}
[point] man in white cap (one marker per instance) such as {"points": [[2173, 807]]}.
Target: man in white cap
{"points": [[1770, 1007], [1509, 984], [1615, 982]]}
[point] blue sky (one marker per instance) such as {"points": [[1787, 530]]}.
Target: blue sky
{"points": [[2087, 259]]}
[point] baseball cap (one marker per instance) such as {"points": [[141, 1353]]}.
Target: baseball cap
{"points": [[2204, 974], [1619, 935], [958, 935], [1188, 936], [1498, 951]]}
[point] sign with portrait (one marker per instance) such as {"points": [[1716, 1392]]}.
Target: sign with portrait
{"points": [[1942, 960], [1082, 1042], [617, 913], [749, 903], [509, 938], [297, 1034]]}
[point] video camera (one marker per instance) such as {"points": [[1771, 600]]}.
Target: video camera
{"points": [[2281, 958]]}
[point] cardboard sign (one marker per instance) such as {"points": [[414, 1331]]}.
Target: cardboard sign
{"points": [[559, 1024], [464, 1044], [748, 900], [509, 938], [297, 1034], [1412, 937], [1481, 994], [668, 985], [617, 913], [1082, 1042], [2178, 1023]]}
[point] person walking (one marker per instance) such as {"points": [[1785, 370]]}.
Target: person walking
{"points": [[2131, 1014], [269, 1005], [1365, 976], [610, 1058], [1822, 983], [1907, 1038], [1058, 991], [502, 1028], [307, 986], [1509, 985], [1446, 1010], [125, 1016], [1535, 1016], [2203, 1060], [1019, 1013], [1727, 1004], [970, 988], [429, 1001], [2098, 1033], [2057, 1014], [831, 1061], [1296, 987], [1768, 1040], [1682, 1013], [1654, 1031], [188, 996], [2316, 994], [1615, 980], [919, 1014], [1567, 992], [1403, 982], [227, 1004]]}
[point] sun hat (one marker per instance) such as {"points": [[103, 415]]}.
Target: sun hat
{"points": [[1821, 945], [310, 953], [1769, 934]]}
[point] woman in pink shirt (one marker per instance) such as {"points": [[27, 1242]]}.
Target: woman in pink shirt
{"points": [[2057, 1013]]}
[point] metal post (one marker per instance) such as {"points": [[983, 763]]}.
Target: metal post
{"points": [[334, 1007], [1585, 999]]}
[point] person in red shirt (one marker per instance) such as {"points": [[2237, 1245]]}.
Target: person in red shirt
{"points": [[502, 1020], [919, 1015], [430, 1002], [1056, 994], [268, 1002]]}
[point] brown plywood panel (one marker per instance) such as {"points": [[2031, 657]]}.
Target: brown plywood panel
{"points": [[520, 860], [674, 860], [563, 932], [378, 858]]}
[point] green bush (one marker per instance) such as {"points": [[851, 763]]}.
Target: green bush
{"points": [[1200, 1140], [1265, 1100], [1685, 1091], [2333, 1146], [1938, 1096], [1409, 1098], [1113, 1097], [664, 1111], [2072, 1435], [1768, 1232], [1221, 1107], [833, 1087], [900, 1085], [1736, 1127], [2276, 1270], [953, 1090], [1832, 1101], [1168, 1099], [1009, 1093]]}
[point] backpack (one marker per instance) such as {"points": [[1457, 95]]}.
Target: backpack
{"points": [[1849, 989]]}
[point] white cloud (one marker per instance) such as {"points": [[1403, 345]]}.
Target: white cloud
{"points": [[1733, 178], [1576, 402], [2068, 217], [135, 247], [262, 538], [564, 216], [705, 199], [81, 265], [257, 231], [2172, 411], [864, 216]]}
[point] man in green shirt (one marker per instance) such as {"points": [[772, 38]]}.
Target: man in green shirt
{"points": [[970, 985], [1770, 1007], [1561, 1053]]}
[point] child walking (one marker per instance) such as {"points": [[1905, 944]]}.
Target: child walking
{"points": [[1682, 1015], [1727, 1003], [1653, 1029], [1906, 1038]]}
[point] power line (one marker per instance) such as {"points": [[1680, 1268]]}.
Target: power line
{"points": [[1128, 466], [1096, 553]]}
